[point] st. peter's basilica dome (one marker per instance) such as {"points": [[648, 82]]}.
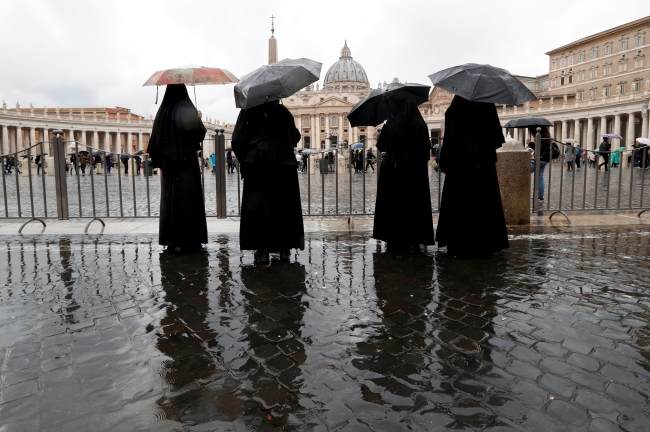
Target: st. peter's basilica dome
{"points": [[346, 72]]}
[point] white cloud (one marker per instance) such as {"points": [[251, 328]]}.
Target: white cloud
{"points": [[85, 53]]}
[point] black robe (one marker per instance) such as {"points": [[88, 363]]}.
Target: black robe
{"points": [[271, 213], [175, 139], [403, 213], [471, 218]]}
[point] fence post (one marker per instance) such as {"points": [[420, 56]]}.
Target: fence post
{"points": [[60, 177], [220, 173], [538, 147]]}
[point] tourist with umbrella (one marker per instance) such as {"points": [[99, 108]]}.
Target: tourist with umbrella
{"points": [[604, 149], [403, 208], [124, 158], [641, 152], [263, 140], [472, 135]]}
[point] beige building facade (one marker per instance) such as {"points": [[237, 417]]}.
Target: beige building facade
{"points": [[598, 84]]}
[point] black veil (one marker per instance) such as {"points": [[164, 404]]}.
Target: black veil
{"points": [[406, 134], [177, 131]]}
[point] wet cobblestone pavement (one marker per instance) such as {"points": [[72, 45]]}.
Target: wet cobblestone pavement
{"points": [[102, 333]]}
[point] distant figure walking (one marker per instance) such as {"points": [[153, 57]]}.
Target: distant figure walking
{"points": [[569, 156], [403, 216], [229, 162], [603, 151], [370, 160], [263, 140], [175, 140], [471, 218]]}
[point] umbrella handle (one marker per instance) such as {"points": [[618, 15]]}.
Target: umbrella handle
{"points": [[156, 95]]}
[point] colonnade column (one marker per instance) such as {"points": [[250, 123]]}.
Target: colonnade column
{"points": [[5, 140], [313, 129], [603, 128], [617, 124], [340, 132], [629, 138], [327, 129], [95, 139], [551, 131], [644, 127], [590, 133], [32, 140], [84, 139], [19, 139], [576, 132], [564, 130], [107, 141], [129, 144], [140, 141], [515, 134]]}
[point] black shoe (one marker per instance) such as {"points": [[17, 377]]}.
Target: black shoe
{"points": [[540, 199], [285, 255], [261, 257]]}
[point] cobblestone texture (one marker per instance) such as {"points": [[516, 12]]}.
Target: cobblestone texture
{"points": [[108, 333]]}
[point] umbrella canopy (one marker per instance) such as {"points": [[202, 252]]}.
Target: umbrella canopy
{"points": [[612, 136], [138, 153], [124, 157], [528, 121], [436, 146], [98, 153], [483, 83], [192, 75], [228, 148], [571, 141], [643, 141], [357, 146], [620, 149], [84, 152], [381, 104], [308, 151], [275, 81], [331, 149]]}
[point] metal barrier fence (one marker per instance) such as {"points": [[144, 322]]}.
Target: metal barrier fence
{"points": [[587, 189], [333, 191]]}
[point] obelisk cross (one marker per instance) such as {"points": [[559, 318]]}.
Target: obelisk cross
{"points": [[272, 24]]}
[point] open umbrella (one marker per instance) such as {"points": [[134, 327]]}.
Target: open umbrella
{"points": [[357, 146], [84, 152], [436, 146], [571, 141], [483, 83], [309, 151], [191, 75], [331, 149], [528, 121], [275, 81], [381, 104], [138, 153], [645, 141], [98, 153], [612, 136], [124, 157]]}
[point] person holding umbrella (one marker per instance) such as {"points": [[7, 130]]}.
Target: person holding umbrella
{"points": [[603, 151], [263, 141], [175, 141], [403, 215], [472, 135]]}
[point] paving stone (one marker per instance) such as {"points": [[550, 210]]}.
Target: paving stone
{"points": [[526, 355], [626, 396], [557, 386], [585, 362], [568, 414], [595, 402], [523, 370]]}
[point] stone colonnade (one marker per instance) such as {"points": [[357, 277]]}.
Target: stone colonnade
{"points": [[345, 133]]}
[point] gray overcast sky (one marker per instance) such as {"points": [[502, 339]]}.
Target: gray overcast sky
{"points": [[98, 53]]}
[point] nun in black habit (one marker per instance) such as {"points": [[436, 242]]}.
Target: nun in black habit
{"points": [[471, 218], [175, 139], [271, 214], [403, 216]]}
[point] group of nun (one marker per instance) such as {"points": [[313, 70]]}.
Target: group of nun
{"points": [[471, 221]]}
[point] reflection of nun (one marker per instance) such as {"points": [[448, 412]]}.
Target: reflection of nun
{"points": [[271, 213], [175, 139], [471, 218], [403, 209]]}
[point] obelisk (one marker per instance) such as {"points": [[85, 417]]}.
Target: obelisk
{"points": [[273, 44]]}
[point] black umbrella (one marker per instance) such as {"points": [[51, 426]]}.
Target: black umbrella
{"points": [[98, 153], [528, 121], [84, 152], [275, 81], [138, 153], [124, 157], [381, 104], [483, 83]]}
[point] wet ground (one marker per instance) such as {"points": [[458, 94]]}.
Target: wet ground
{"points": [[140, 196], [106, 333]]}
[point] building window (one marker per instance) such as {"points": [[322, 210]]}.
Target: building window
{"points": [[620, 89], [592, 94], [322, 122], [593, 73], [638, 63], [622, 67], [636, 86], [571, 59], [594, 53], [305, 101], [606, 91], [570, 79], [553, 65], [305, 122], [291, 101], [581, 75], [561, 80], [322, 99], [638, 39], [322, 145], [334, 121], [345, 121], [345, 98], [607, 49], [581, 57], [579, 96], [622, 45], [607, 69], [562, 62]]}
